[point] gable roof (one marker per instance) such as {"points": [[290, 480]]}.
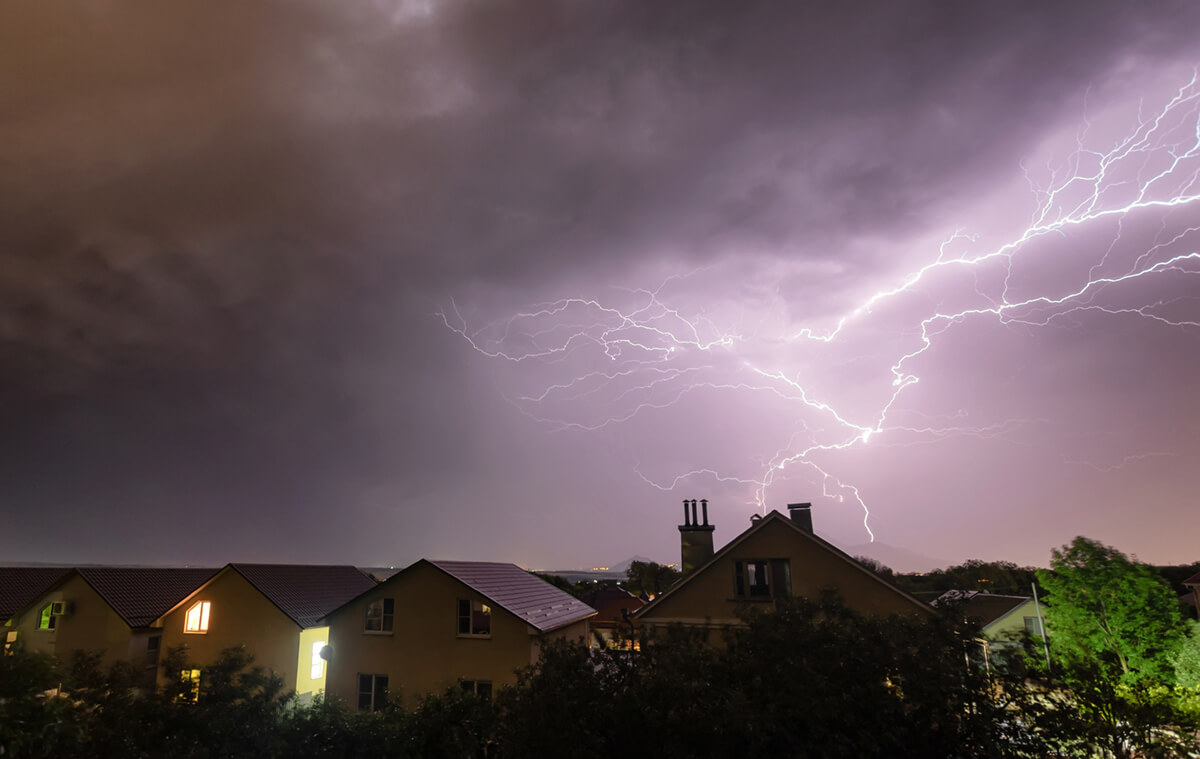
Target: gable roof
{"points": [[140, 595], [20, 586], [1193, 580], [305, 592], [774, 517], [531, 598], [986, 608]]}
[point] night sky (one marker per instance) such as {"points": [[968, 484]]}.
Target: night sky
{"points": [[372, 281]]}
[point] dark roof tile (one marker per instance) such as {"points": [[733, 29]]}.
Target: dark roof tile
{"points": [[19, 586], [306, 592], [141, 595], [529, 597]]}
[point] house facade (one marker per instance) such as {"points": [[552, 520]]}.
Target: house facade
{"points": [[776, 558], [438, 624], [104, 610], [269, 609]]}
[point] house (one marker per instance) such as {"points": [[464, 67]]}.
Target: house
{"points": [[613, 606], [1002, 619], [438, 623], [1193, 584], [776, 558], [20, 586], [272, 610], [106, 610]]}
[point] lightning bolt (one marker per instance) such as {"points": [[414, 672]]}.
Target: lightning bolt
{"points": [[595, 364]]}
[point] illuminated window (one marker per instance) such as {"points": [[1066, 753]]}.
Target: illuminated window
{"points": [[317, 668], [379, 615], [10, 640], [190, 681], [481, 688], [197, 618], [48, 619], [372, 692], [474, 619], [762, 579]]}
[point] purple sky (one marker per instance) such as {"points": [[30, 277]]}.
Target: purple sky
{"points": [[366, 282]]}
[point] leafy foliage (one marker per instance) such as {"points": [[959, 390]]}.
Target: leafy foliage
{"points": [[1105, 609], [650, 577]]}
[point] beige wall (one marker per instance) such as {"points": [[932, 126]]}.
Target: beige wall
{"points": [[92, 625], [424, 654], [240, 616], [709, 597], [1012, 626]]}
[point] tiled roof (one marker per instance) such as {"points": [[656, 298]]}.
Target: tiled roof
{"points": [[141, 595], [985, 608], [531, 598], [1193, 580], [306, 592], [21, 585]]}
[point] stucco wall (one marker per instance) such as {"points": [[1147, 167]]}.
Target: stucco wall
{"points": [[240, 616], [709, 596], [92, 625], [423, 653]]}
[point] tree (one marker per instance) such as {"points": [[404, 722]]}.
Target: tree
{"points": [[650, 577], [1103, 607]]}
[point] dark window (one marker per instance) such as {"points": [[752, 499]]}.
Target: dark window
{"points": [[380, 614], [372, 691], [481, 688], [762, 578], [474, 618], [153, 644]]}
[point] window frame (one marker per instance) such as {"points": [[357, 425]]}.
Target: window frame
{"points": [[385, 618], [47, 619], [203, 621], [469, 618], [773, 576], [481, 688], [377, 693]]}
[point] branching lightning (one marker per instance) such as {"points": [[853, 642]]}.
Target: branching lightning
{"points": [[591, 364]]}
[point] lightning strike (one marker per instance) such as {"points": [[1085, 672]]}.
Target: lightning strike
{"points": [[665, 354]]}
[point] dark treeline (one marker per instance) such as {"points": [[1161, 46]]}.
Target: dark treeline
{"points": [[806, 680]]}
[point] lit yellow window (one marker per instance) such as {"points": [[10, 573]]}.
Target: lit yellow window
{"points": [[190, 678], [197, 618]]}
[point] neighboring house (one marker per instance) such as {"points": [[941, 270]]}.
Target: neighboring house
{"points": [[1193, 584], [269, 609], [1002, 619], [440, 623], [20, 586], [775, 558], [611, 627], [106, 610]]}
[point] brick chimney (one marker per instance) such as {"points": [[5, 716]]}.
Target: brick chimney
{"points": [[695, 537], [801, 516]]}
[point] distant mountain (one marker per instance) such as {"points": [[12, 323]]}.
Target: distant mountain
{"points": [[623, 566], [899, 559]]}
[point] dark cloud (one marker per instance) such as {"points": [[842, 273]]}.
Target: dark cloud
{"points": [[226, 231]]}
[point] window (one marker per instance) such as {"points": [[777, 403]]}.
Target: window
{"points": [[762, 579], [10, 640], [197, 618], [481, 688], [1033, 626], [190, 681], [379, 615], [474, 619], [153, 644], [49, 619], [372, 692], [317, 668]]}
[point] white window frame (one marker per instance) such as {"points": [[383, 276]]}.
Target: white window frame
{"points": [[196, 620]]}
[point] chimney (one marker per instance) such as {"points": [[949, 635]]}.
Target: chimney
{"points": [[801, 516], [695, 537]]}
